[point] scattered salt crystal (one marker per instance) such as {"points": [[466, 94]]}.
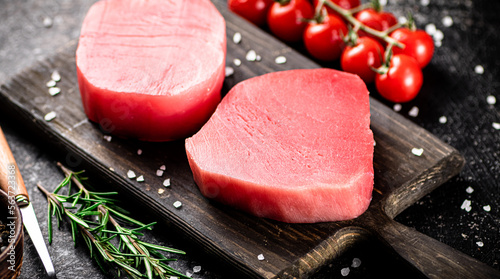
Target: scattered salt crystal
{"points": [[280, 59], [178, 204], [260, 257], [438, 43], [229, 71], [464, 235], [107, 138], [469, 190], [163, 167], [424, 2], [237, 62], [188, 274], [131, 174], [438, 35], [417, 151], [159, 172], [496, 125], [166, 182], [51, 83], [374, 143], [479, 69], [466, 205], [111, 169], [356, 262], [237, 38], [56, 76], [447, 21], [47, 22], [430, 29], [345, 271], [54, 91], [174, 277], [383, 2], [50, 116], [491, 100], [139, 151], [487, 208], [161, 191], [196, 269], [413, 112], [140, 178], [258, 58], [480, 244], [251, 55], [443, 119], [402, 20], [397, 107]]}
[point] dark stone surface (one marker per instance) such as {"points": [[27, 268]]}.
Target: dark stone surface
{"points": [[451, 89]]}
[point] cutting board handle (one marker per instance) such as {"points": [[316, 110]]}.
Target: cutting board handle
{"points": [[10, 177], [433, 258]]}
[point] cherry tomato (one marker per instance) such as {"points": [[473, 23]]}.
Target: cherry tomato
{"points": [[378, 20], [324, 40], [288, 21], [361, 58], [403, 80], [254, 11], [418, 44], [345, 4]]}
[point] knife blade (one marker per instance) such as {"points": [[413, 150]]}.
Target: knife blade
{"points": [[12, 183]]}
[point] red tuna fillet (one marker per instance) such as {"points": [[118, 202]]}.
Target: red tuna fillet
{"points": [[293, 146], [151, 70]]}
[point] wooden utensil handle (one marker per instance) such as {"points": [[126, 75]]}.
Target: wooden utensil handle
{"points": [[433, 258], [10, 176]]}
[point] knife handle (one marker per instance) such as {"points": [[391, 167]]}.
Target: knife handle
{"points": [[11, 181]]}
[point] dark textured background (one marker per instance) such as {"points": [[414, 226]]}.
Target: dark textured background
{"points": [[451, 88]]}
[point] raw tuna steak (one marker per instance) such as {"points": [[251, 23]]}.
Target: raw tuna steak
{"points": [[152, 69], [293, 146]]}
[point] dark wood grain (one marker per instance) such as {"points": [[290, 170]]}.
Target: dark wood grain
{"points": [[290, 250]]}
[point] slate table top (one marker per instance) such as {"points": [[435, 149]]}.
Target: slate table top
{"points": [[454, 90]]}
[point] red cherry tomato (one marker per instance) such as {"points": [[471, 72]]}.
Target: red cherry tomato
{"points": [[361, 58], [403, 80], [374, 19], [418, 44], [254, 11], [288, 21], [345, 4], [324, 40]]}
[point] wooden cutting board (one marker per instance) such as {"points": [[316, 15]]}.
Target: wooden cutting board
{"points": [[290, 250]]}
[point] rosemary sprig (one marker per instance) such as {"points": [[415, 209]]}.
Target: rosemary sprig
{"points": [[96, 218]]}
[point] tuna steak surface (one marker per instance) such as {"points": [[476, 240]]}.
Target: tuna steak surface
{"points": [[151, 70], [293, 146]]}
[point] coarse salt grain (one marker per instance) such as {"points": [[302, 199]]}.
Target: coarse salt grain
{"points": [[163, 167], [383, 2], [161, 191], [131, 174], [496, 125], [229, 71], [47, 22], [447, 21], [280, 59], [491, 100], [50, 116], [417, 151], [54, 91], [424, 2], [188, 274], [166, 182], [107, 138], [251, 55], [479, 244], [443, 119], [177, 204], [55, 76], [260, 257], [430, 29], [402, 20], [479, 69], [438, 35], [466, 205], [140, 178], [487, 208], [397, 107], [139, 151], [159, 172], [469, 190], [345, 271], [413, 112], [258, 58], [237, 62], [237, 38], [196, 268], [51, 83], [356, 262]]}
